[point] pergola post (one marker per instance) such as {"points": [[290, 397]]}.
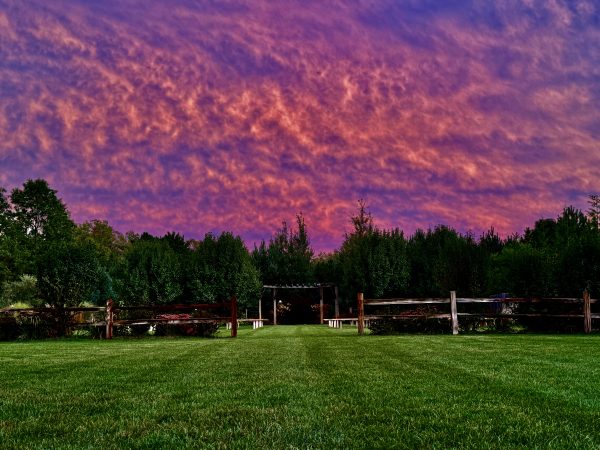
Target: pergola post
{"points": [[321, 304], [320, 286], [274, 306], [337, 302]]}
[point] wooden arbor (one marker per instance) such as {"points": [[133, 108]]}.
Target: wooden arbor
{"points": [[319, 286]]}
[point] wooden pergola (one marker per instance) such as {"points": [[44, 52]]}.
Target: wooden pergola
{"points": [[319, 286]]}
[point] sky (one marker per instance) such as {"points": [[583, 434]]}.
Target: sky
{"points": [[215, 115]]}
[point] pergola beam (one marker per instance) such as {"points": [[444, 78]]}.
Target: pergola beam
{"points": [[298, 286], [318, 286]]}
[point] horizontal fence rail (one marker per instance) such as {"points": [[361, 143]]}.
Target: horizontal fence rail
{"points": [[74, 316], [47, 309], [433, 301], [453, 314]]}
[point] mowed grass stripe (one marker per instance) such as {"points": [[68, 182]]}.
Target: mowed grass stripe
{"points": [[303, 387]]}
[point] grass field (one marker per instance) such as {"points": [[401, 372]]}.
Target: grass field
{"points": [[302, 387]]}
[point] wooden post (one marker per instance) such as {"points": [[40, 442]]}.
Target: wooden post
{"points": [[361, 314], [321, 305], [274, 307], [453, 312], [587, 312], [109, 319], [234, 318], [337, 303], [260, 308]]}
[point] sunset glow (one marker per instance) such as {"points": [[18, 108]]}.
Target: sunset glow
{"points": [[199, 116]]}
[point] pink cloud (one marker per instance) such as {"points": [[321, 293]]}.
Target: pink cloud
{"points": [[195, 119]]}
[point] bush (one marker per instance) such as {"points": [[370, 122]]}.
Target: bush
{"points": [[131, 330], [202, 329], [417, 325], [9, 328], [24, 291], [27, 325], [46, 323]]}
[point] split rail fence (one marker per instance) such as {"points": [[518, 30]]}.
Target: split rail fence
{"points": [[75, 317], [453, 315]]}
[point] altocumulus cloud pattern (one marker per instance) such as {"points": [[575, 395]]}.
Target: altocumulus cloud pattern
{"points": [[201, 116]]}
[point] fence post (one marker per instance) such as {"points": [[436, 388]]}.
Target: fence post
{"points": [[361, 314], [587, 312], [453, 312], [337, 302], [234, 317], [109, 319]]}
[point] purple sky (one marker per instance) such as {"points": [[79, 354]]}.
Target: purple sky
{"points": [[199, 116]]}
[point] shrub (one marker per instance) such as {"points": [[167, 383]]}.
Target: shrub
{"points": [[9, 328], [202, 329], [23, 291]]}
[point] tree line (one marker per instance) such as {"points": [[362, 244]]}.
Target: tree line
{"points": [[46, 258]]}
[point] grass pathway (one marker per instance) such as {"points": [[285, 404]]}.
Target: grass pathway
{"points": [[303, 387]]}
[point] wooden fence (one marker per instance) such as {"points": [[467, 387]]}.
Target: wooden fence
{"points": [[74, 316], [453, 315]]}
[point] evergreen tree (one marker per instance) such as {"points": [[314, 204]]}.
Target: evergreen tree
{"points": [[594, 210], [220, 268], [151, 275], [287, 259], [372, 261]]}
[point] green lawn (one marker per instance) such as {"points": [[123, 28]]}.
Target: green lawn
{"points": [[302, 387]]}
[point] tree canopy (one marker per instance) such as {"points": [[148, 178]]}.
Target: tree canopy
{"points": [[46, 258]]}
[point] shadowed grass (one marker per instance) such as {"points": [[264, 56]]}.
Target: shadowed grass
{"points": [[303, 387]]}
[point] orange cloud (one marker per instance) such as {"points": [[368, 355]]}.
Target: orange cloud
{"points": [[236, 115]]}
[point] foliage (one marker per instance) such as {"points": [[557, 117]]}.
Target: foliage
{"points": [[24, 290], [556, 257], [5, 213], [110, 245], [220, 268], [177, 243], [388, 326], [104, 288], [327, 267], [373, 261], [200, 329], [288, 257], [152, 274], [594, 211], [522, 271], [68, 274], [577, 254], [40, 213], [32, 218], [569, 254]]}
